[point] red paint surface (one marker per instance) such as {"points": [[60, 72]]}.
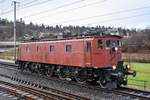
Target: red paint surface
{"points": [[97, 58]]}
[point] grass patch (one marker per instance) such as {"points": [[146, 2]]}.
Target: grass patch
{"points": [[8, 55], [145, 67], [143, 76]]}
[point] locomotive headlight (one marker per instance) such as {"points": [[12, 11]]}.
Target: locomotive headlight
{"points": [[114, 67], [116, 49], [128, 66]]}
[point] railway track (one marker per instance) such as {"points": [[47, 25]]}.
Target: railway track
{"points": [[35, 92], [125, 91], [136, 93]]}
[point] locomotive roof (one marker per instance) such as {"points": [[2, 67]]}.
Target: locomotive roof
{"points": [[111, 36], [74, 39]]}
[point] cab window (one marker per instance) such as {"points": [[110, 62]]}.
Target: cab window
{"points": [[100, 44], [114, 43], [107, 44], [119, 43]]}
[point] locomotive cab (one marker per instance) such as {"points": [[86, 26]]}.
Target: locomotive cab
{"points": [[113, 50], [106, 51], [114, 72]]}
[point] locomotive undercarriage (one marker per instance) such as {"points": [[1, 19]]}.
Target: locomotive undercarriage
{"points": [[106, 78]]}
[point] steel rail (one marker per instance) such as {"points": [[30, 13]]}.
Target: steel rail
{"points": [[17, 93], [47, 95], [141, 94]]}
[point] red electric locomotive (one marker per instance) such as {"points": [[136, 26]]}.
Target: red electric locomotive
{"points": [[96, 58]]}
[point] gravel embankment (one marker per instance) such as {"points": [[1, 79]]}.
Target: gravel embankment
{"points": [[67, 87]]}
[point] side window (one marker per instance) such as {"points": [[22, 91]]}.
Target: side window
{"points": [[107, 44], [51, 48], [100, 44], [27, 49], [68, 48], [38, 48], [88, 46]]}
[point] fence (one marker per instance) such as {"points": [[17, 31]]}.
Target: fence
{"points": [[137, 57]]}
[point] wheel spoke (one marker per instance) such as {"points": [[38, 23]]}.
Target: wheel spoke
{"points": [[80, 79], [102, 82], [49, 73]]}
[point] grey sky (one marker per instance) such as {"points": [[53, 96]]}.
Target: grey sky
{"points": [[117, 13]]}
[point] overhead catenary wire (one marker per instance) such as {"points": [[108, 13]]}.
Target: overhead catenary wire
{"points": [[7, 11], [35, 4], [2, 8], [92, 17], [67, 10], [52, 9], [27, 5], [24, 0], [108, 20], [2, 1], [58, 7], [118, 19], [107, 14]]}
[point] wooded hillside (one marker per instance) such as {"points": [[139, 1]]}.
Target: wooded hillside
{"points": [[134, 40]]}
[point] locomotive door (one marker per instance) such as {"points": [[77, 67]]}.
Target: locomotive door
{"points": [[88, 54], [46, 49]]}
